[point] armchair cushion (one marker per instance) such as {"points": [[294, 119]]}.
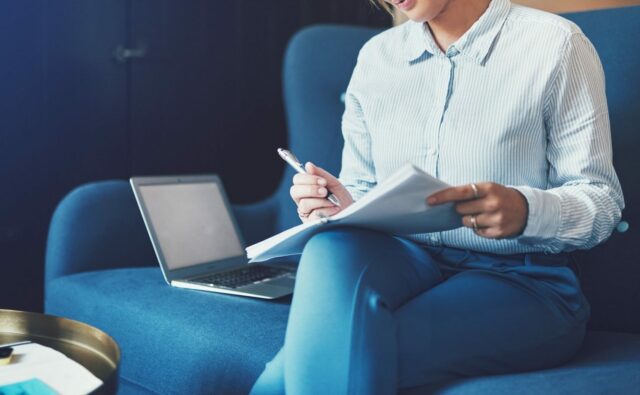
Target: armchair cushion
{"points": [[186, 342], [608, 363], [174, 341]]}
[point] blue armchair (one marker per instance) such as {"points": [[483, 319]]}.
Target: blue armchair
{"points": [[101, 269]]}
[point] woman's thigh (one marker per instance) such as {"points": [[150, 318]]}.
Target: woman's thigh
{"points": [[480, 322], [341, 322], [338, 262]]}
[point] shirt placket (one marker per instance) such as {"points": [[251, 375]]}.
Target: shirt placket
{"points": [[435, 146]]}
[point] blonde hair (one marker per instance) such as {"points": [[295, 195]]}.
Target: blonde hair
{"points": [[383, 4]]}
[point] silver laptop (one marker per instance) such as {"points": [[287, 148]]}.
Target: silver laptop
{"points": [[197, 240]]}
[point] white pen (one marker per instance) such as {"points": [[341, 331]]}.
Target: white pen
{"points": [[291, 159]]}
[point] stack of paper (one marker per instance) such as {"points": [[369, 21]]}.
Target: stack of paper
{"points": [[396, 206], [56, 370]]}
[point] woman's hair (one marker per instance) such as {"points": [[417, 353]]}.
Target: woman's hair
{"points": [[383, 4]]}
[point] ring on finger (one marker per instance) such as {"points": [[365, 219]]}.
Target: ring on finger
{"points": [[474, 223], [474, 188]]}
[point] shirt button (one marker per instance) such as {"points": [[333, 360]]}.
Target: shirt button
{"points": [[432, 152]]}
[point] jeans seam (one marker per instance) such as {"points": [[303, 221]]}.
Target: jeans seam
{"points": [[355, 303]]}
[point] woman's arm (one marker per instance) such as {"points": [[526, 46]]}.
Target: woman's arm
{"points": [[584, 200]]}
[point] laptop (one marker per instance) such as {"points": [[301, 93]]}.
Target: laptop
{"points": [[198, 242]]}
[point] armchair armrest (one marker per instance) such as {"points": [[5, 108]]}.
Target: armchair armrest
{"points": [[97, 226]]}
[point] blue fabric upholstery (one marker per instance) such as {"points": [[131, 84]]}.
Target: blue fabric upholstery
{"points": [[177, 341], [97, 226], [610, 273], [609, 363], [317, 68], [173, 340]]}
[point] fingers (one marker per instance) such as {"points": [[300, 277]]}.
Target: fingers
{"points": [[320, 172], [482, 221], [476, 206], [333, 184], [307, 205], [308, 179], [457, 194], [495, 211], [299, 192], [489, 225], [319, 213]]}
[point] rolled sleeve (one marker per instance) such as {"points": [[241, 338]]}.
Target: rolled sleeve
{"points": [[543, 221]]}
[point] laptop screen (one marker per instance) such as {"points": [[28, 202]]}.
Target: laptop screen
{"points": [[191, 223]]}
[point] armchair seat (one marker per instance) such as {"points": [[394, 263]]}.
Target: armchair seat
{"points": [[175, 341], [213, 343]]}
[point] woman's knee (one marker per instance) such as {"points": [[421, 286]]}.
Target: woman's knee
{"points": [[341, 249], [344, 241], [347, 258]]}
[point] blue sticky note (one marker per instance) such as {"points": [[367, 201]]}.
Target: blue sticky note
{"points": [[29, 387]]}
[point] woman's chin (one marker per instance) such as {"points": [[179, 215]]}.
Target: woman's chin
{"points": [[418, 17]]}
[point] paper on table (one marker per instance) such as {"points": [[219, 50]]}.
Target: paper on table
{"points": [[397, 206], [52, 367]]}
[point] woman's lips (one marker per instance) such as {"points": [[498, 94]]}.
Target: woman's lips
{"points": [[404, 4]]}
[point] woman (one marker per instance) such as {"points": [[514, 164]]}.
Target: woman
{"points": [[508, 103]]}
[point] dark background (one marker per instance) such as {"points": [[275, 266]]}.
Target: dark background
{"points": [[205, 97]]}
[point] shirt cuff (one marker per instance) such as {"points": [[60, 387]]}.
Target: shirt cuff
{"points": [[543, 222], [356, 193]]}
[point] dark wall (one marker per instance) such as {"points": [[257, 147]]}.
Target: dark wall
{"points": [[205, 97]]}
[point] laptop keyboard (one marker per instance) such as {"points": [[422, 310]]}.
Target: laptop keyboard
{"points": [[243, 276]]}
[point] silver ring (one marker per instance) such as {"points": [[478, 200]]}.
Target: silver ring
{"points": [[476, 194], [474, 223]]}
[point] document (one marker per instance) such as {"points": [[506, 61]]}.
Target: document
{"points": [[396, 206], [34, 366]]}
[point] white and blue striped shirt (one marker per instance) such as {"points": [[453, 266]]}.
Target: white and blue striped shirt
{"points": [[518, 100]]}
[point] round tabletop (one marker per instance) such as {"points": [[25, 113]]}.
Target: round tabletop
{"points": [[88, 346]]}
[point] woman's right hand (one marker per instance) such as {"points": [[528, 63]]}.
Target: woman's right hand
{"points": [[310, 192]]}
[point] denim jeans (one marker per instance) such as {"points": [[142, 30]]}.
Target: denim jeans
{"points": [[377, 314]]}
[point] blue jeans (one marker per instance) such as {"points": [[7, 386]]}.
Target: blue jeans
{"points": [[372, 314]]}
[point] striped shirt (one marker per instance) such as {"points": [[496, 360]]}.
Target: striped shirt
{"points": [[518, 100]]}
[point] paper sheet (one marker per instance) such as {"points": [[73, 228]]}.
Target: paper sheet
{"points": [[35, 361], [397, 206]]}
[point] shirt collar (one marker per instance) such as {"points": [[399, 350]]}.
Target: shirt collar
{"points": [[475, 43]]}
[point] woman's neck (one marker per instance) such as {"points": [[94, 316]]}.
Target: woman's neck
{"points": [[455, 19]]}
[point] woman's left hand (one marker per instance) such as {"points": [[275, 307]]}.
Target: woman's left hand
{"points": [[492, 210]]}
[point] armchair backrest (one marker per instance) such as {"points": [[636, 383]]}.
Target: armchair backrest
{"points": [[611, 272], [317, 68]]}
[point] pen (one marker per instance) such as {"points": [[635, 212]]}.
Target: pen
{"points": [[15, 344], [291, 159]]}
